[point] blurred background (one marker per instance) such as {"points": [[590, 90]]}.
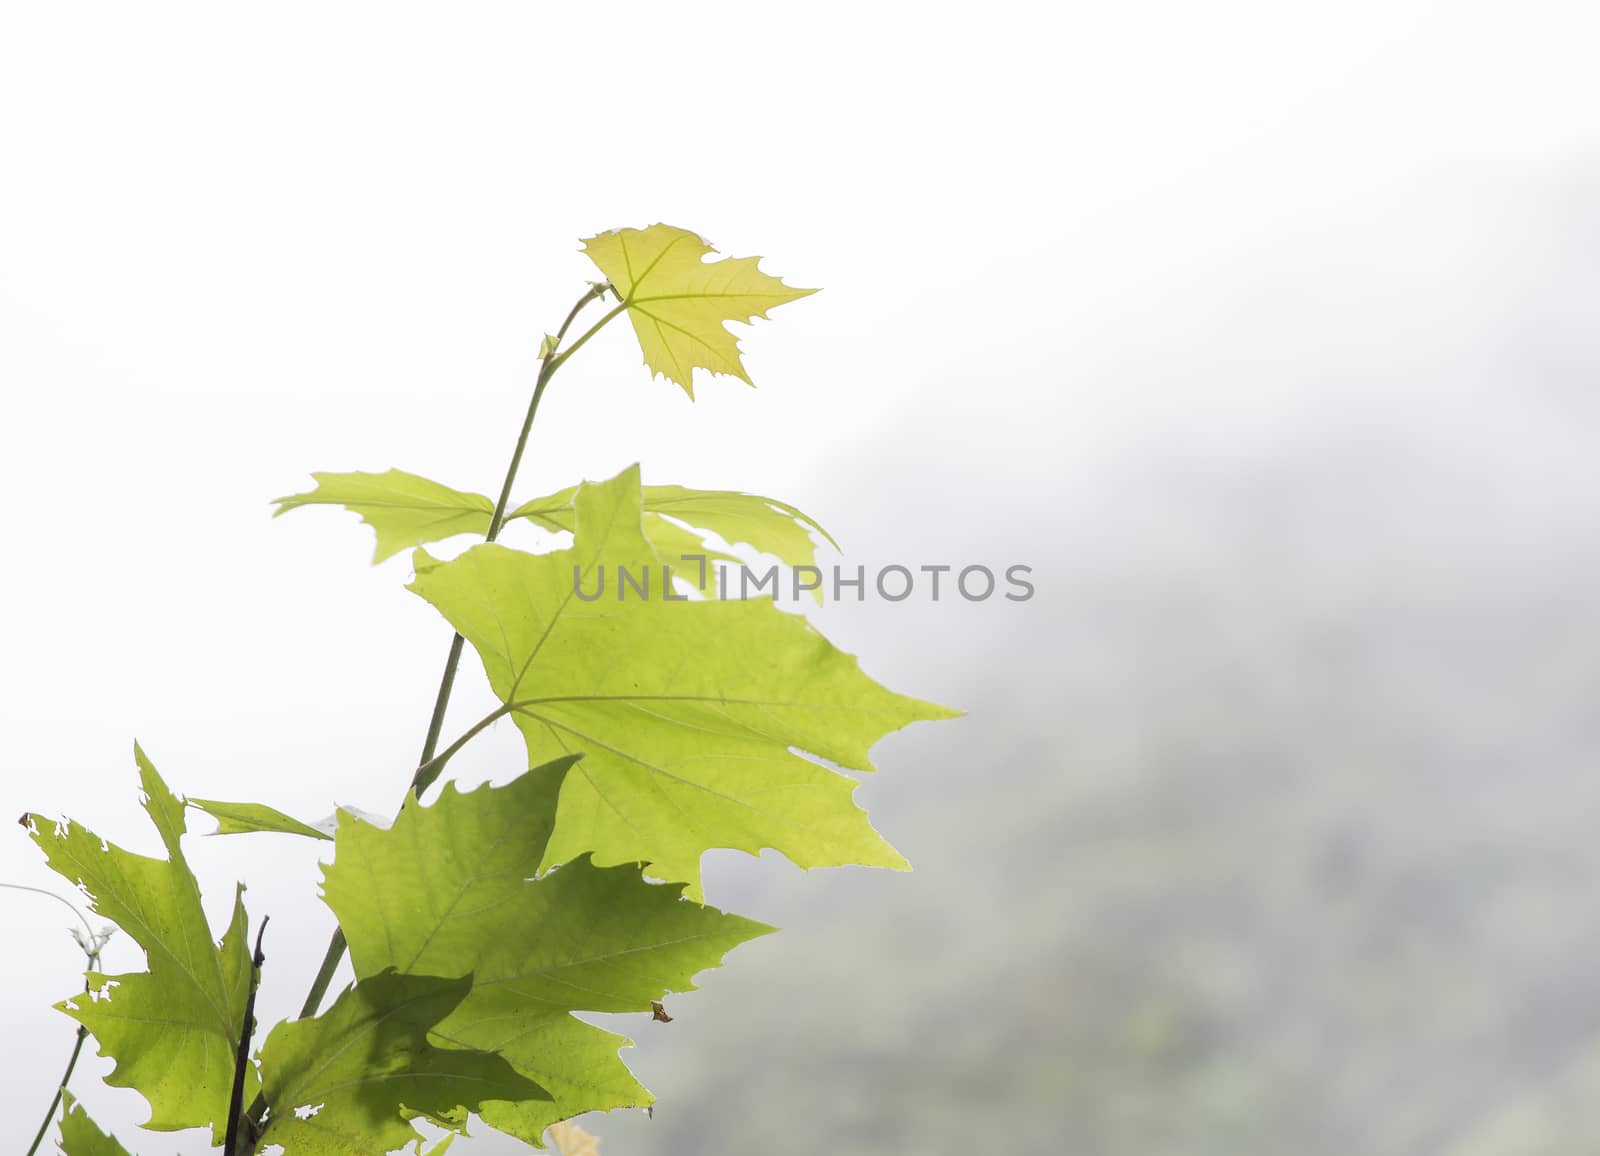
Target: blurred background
{"points": [[1264, 333]]}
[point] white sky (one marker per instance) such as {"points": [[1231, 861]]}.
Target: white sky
{"points": [[238, 244]]}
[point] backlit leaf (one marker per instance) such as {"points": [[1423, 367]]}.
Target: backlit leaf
{"points": [[686, 710], [348, 1082], [770, 526], [678, 302], [245, 818], [450, 888], [405, 510], [443, 1145], [81, 1136], [173, 1029]]}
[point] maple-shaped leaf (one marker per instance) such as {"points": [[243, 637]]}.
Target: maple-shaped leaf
{"points": [[348, 1082], [405, 510], [689, 712], [174, 1029], [81, 1136], [452, 888], [677, 519], [678, 302]]}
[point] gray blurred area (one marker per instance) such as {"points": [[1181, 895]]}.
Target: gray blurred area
{"points": [[1272, 825]]}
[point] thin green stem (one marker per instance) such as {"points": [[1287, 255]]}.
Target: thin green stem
{"points": [[430, 770], [67, 903], [72, 1060], [428, 767], [420, 781], [497, 520], [441, 701], [319, 986], [560, 358], [547, 370]]}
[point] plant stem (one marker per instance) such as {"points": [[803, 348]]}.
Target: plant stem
{"points": [[424, 776], [552, 362], [561, 358], [430, 770], [72, 1062], [241, 1061], [68, 904], [453, 660], [428, 767]]}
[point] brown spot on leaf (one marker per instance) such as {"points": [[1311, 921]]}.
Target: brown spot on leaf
{"points": [[659, 1013]]}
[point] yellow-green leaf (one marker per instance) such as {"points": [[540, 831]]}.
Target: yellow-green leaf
{"points": [[81, 1136], [173, 1029], [689, 713], [768, 525], [452, 888], [247, 818], [404, 509], [771, 526], [678, 302], [348, 1082]]}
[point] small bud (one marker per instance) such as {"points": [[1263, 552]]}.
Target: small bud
{"points": [[547, 347]]}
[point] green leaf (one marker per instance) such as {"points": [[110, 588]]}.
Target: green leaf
{"points": [[81, 1136], [349, 1081], [443, 1145], [678, 303], [246, 818], [405, 510], [687, 710], [770, 526], [173, 1030], [451, 888]]}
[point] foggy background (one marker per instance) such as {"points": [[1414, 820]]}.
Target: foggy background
{"points": [[1264, 333]]}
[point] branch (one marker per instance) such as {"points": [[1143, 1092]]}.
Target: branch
{"points": [[428, 767], [241, 1062]]}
